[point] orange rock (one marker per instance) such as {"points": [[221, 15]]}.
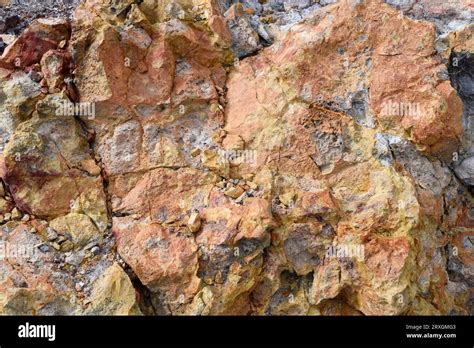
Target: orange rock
{"points": [[163, 259]]}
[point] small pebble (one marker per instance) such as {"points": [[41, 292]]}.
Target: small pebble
{"points": [[51, 234], [194, 222], [79, 286], [241, 198], [213, 107], [171, 219], [195, 152], [44, 248], [89, 246], [67, 246], [16, 214], [252, 185], [234, 192]]}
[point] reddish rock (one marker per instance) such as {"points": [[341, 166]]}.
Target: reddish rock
{"points": [[40, 37], [165, 260], [54, 66]]}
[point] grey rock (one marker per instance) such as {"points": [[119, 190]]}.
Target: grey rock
{"points": [[95, 250], [401, 4], [245, 40], [453, 18], [330, 148], [461, 71], [51, 234], [44, 248], [254, 5], [465, 171], [382, 150], [429, 175], [359, 109], [75, 258], [296, 4], [327, 2]]}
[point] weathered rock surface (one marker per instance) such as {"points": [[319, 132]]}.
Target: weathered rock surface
{"points": [[42, 36], [239, 158], [113, 294]]}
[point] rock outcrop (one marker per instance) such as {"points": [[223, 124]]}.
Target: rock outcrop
{"points": [[208, 157]]}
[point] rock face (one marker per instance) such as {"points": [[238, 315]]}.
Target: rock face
{"points": [[239, 158]]}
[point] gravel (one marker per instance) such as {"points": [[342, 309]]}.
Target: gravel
{"points": [[14, 18]]}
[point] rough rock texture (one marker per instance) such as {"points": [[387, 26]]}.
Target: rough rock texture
{"points": [[239, 158], [16, 15]]}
